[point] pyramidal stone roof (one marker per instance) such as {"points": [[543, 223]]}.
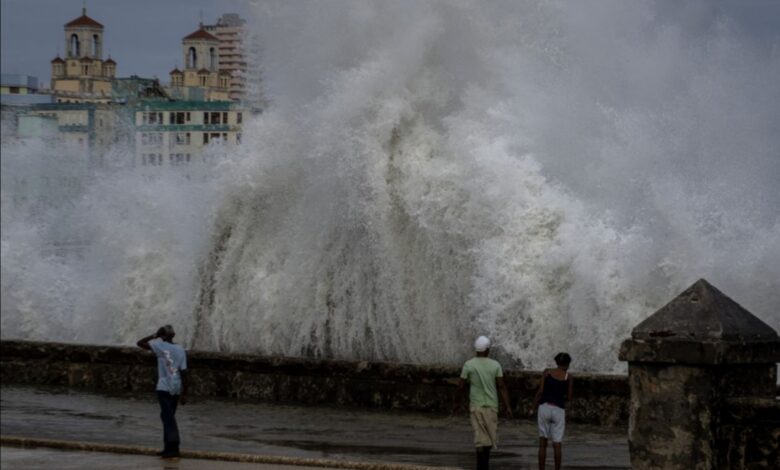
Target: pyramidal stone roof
{"points": [[703, 313], [83, 20], [201, 34]]}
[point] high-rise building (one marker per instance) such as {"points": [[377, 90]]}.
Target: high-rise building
{"points": [[229, 30]]}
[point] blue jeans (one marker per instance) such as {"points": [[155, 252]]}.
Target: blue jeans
{"points": [[168, 404]]}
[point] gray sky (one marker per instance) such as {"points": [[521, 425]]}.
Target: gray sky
{"points": [[143, 36]]}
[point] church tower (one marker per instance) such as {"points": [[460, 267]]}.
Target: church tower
{"points": [[83, 75], [201, 78]]}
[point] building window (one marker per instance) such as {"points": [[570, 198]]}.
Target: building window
{"points": [[153, 159], [224, 118], [203, 80], [212, 59], [85, 69], [239, 117], [177, 118], [188, 118], [192, 58], [238, 137], [95, 45], [205, 118], [75, 47], [14, 90], [176, 159], [152, 118], [151, 138], [215, 118], [181, 138], [205, 138]]}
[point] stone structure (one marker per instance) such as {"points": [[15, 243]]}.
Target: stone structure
{"points": [[83, 76], [703, 380], [599, 399], [202, 78]]}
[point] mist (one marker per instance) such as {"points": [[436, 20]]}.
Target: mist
{"points": [[546, 173]]}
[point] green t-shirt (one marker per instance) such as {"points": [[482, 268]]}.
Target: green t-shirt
{"points": [[481, 372]]}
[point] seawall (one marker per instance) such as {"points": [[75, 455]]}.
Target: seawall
{"points": [[598, 399]]}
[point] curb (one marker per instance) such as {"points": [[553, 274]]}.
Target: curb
{"points": [[18, 441]]}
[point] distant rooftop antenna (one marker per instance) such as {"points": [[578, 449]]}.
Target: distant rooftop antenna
{"points": [[84, 8], [200, 17]]}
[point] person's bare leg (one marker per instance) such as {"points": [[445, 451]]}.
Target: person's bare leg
{"points": [[542, 452], [557, 452]]}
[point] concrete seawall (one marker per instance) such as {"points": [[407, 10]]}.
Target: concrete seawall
{"points": [[598, 399]]}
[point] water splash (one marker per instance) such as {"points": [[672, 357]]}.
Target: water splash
{"points": [[544, 173]]}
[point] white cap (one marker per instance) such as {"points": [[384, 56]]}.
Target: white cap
{"points": [[482, 344]]}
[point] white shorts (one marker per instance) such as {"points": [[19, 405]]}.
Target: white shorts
{"points": [[552, 422]]}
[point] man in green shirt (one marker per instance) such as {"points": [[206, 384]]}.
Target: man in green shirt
{"points": [[485, 379]]}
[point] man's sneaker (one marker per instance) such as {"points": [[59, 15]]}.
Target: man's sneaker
{"points": [[170, 454]]}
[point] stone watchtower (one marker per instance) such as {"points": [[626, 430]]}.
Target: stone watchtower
{"points": [[83, 72], [703, 378]]}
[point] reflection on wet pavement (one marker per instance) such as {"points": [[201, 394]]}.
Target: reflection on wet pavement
{"points": [[38, 458], [299, 431]]}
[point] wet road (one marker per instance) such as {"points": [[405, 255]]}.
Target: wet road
{"points": [[41, 458], [298, 431]]}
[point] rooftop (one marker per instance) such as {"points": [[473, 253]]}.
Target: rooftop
{"points": [[83, 20], [702, 312], [20, 80], [187, 106], [201, 34]]}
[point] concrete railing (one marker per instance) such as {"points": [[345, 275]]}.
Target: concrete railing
{"points": [[599, 399], [703, 377]]}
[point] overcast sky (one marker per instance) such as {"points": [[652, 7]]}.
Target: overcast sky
{"points": [[143, 36]]}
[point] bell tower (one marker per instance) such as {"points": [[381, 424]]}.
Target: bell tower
{"points": [[83, 75], [84, 38]]}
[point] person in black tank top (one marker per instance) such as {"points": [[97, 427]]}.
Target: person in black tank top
{"points": [[555, 389]]}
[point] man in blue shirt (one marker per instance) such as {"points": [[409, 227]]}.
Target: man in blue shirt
{"points": [[171, 383]]}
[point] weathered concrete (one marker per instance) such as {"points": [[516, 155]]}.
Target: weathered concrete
{"points": [[688, 362], [329, 464], [599, 399], [299, 431]]}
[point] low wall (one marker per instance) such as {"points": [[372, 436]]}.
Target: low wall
{"points": [[749, 433], [598, 399]]}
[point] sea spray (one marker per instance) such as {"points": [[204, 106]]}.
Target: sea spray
{"points": [[544, 173]]}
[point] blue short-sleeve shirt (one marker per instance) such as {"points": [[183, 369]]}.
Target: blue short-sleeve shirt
{"points": [[171, 361]]}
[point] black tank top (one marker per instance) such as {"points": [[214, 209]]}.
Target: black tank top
{"points": [[555, 391]]}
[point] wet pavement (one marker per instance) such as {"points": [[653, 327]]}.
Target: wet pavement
{"points": [[285, 430], [38, 458]]}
